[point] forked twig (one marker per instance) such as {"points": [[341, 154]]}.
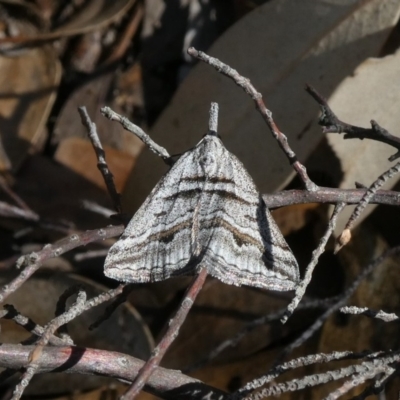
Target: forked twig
{"points": [[78, 308], [359, 379], [332, 124], [32, 262]]}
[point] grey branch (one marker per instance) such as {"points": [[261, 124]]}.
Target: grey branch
{"points": [[336, 306], [10, 312], [32, 262], [332, 124], [139, 132], [246, 85], [387, 317], [101, 157], [345, 237], [49, 330], [172, 332], [117, 365], [367, 370], [301, 288], [320, 358]]}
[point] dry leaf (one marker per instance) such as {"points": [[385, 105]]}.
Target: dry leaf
{"points": [[29, 84], [78, 155]]}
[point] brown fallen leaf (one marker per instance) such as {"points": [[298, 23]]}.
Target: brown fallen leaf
{"points": [[78, 155], [29, 84]]}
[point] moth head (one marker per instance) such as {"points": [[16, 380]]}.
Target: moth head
{"points": [[210, 152]]}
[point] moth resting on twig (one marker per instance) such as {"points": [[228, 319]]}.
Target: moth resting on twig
{"points": [[206, 211]]}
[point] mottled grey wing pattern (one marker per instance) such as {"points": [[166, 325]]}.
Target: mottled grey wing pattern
{"points": [[206, 211], [243, 244], [157, 241]]}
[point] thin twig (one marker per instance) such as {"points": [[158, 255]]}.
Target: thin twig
{"points": [[326, 195], [9, 211], [125, 290], [357, 380], [246, 85], [301, 288], [340, 303], [80, 306], [7, 189], [172, 332], [345, 236], [369, 313], [101, 164], [364, 369], [97, 208], [139, 132], [10, 312], [332, 124], [312, 359], [33, 261], [163, 382], [61, 305], [49, 330]]}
